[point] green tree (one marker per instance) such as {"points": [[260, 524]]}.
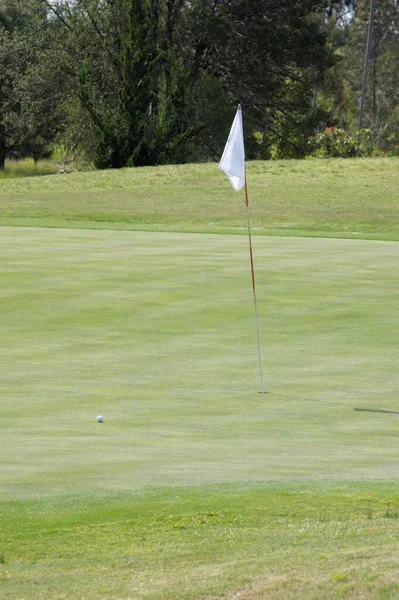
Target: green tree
{"points": [[159, 80], [267, 58], [149, 111], [8, 22], [139, 82], [28, 96], [381, 114]]}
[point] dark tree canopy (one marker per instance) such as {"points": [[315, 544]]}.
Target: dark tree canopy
{"points": [[146, 82]]}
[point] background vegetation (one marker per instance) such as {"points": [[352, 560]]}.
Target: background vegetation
{"points": [[140, 82]]}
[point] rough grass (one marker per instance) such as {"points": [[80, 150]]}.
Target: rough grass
{"points": [[293, 542], [16, 169], [196, 486], [337, 198]]}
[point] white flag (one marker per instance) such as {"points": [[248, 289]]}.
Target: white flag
{"points": [[233, 159]]}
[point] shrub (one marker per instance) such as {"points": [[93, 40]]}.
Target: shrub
{"points": [[334, 142]]}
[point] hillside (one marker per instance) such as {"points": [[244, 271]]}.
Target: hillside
{"points": [[335, 198]]}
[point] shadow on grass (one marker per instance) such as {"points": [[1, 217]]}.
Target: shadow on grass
{"points": [[377, 410]]}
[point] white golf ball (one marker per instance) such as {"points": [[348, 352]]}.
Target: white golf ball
{"points": [[100, 419]]}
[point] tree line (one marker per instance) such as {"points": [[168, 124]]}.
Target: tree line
{"points": [[145, 82]]}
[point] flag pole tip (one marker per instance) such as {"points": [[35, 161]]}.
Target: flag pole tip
{"points": [[239, 107]]}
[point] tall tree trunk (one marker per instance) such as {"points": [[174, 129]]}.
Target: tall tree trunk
{"points": [[375, 102], [2, 146], [315, 85], [366, 62]]}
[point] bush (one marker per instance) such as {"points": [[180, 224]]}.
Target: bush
{"points": [[334, 142]]}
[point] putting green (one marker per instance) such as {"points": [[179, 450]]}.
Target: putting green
{"points": [[155, 331]]}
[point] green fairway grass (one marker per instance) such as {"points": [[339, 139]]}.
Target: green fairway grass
{"points": [[355, 198], [195, 485]]}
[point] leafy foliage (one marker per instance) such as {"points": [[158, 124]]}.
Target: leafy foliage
{"points": [[381, 116], [335, 142], [30, 94], [147, 82]]}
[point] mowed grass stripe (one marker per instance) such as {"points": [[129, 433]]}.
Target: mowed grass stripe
{"points": [[156, 332]]}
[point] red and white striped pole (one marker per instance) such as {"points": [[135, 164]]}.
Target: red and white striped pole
{"points": [[253, 286]]}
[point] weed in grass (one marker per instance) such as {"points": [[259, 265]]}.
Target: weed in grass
{"points": [[392, 514]]}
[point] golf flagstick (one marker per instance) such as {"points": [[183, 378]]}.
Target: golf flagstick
{"points": [[233, 164], [254, 287]]}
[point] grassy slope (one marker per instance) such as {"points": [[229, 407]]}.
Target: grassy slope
{"points": [[344, 198], [195, 485]]}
